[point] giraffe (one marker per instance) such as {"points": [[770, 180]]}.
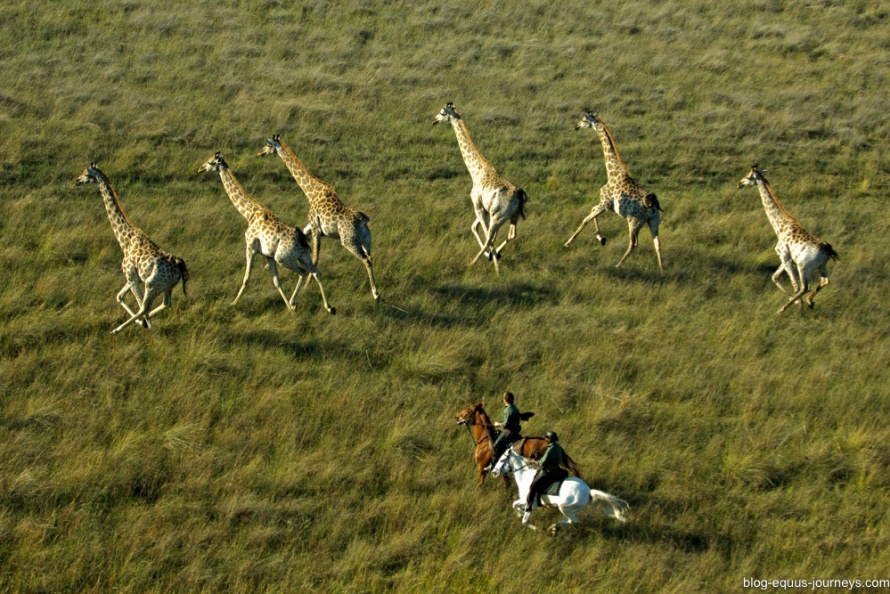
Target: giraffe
{"points": [[621, 194], [495, 199], [328, 216], [801, 254], [143, 260], [268, 235]]}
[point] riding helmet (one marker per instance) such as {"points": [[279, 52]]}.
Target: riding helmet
{"points": [[553, 437]]}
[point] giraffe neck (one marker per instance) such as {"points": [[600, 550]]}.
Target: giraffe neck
{"points": [[311, 185], [777, 215], [615, 167], [476, 163], [247, 206], [123, 229]]}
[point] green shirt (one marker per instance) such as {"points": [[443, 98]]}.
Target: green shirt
{"points": [[552, 458], [510, 419]]}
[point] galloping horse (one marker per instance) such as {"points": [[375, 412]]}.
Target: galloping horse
{"points": [[483, 436], [574, 494]]}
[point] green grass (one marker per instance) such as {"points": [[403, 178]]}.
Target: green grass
{"points": [[250, 449]]}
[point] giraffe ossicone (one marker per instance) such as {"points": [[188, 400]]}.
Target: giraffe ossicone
{"points": [[266, 234], [802, 255], [144, 261], [495, 200], [328, 216], [621, 194]]}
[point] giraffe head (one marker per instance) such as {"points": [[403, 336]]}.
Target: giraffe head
{"points": [[90, 175], [447, 114], [588, 120], [751, 178], [273, 145], [214, 163]]}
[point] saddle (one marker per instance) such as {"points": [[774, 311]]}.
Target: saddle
{"points": [[553, 488]]}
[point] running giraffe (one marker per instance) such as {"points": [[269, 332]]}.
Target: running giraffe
{"points": [[495, 200], [328, 216], [268, 235], [621, 194], [144, 261], [801, 253]]}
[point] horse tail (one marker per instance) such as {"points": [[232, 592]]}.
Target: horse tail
{"points": [[610, 505]]}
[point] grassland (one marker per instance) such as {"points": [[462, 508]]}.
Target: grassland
{"points": [[251, 449]]}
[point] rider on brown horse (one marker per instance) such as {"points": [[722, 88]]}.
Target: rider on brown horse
{"points": [[511, 428]]}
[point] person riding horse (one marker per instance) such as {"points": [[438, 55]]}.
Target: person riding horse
{"points": [[511, 428], [551, 469]]}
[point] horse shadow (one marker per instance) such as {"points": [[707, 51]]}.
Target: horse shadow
{"points": [[638, 531]]}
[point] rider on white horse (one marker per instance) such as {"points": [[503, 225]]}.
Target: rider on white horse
{"points": [[551, 469], [574, 494]]}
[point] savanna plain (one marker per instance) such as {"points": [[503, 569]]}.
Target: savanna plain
{"points": [[249, 448]]}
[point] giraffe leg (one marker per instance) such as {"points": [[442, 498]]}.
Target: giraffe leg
{"points": [[273, 268], [823, 282], [653, 229], [164, 304], [132, 287], [315, 243], [657, 243], [324, 299], [489, 241], [128, 288], [370, 270], [480, 219], [510, 237], [250, 253], [147, 300], [804, 287], [596, 212], [775, 277], [297, 288], [361, 249], [634, 233]]}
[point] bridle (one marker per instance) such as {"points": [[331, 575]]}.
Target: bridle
{"points": [[468, 423], [510, 453]]}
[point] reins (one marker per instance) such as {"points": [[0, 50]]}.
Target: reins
{"points": [[467, 424]]}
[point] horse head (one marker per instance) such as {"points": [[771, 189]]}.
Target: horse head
{"points": [[468, 415], [504, 465]]}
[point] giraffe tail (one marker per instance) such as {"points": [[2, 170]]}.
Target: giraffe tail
{"points": [[651, 200], [829, 251], [523, 198], [183, 272]]}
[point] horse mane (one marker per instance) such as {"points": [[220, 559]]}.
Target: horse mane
{"points": [[486, 424]]}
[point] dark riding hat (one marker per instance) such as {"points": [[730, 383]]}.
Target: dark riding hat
{"points": [[553, 437]]}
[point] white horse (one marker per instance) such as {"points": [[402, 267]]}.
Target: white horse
{"points": [[574, 494]]}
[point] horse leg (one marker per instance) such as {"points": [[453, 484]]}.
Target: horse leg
{"points": [[519, 507], [526, 522]]}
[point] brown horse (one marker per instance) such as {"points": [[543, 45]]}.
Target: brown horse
{"points": [[483, 434]]}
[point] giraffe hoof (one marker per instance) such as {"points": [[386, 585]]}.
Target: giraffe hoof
{"points": [[333, 311], [602, 239]]}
